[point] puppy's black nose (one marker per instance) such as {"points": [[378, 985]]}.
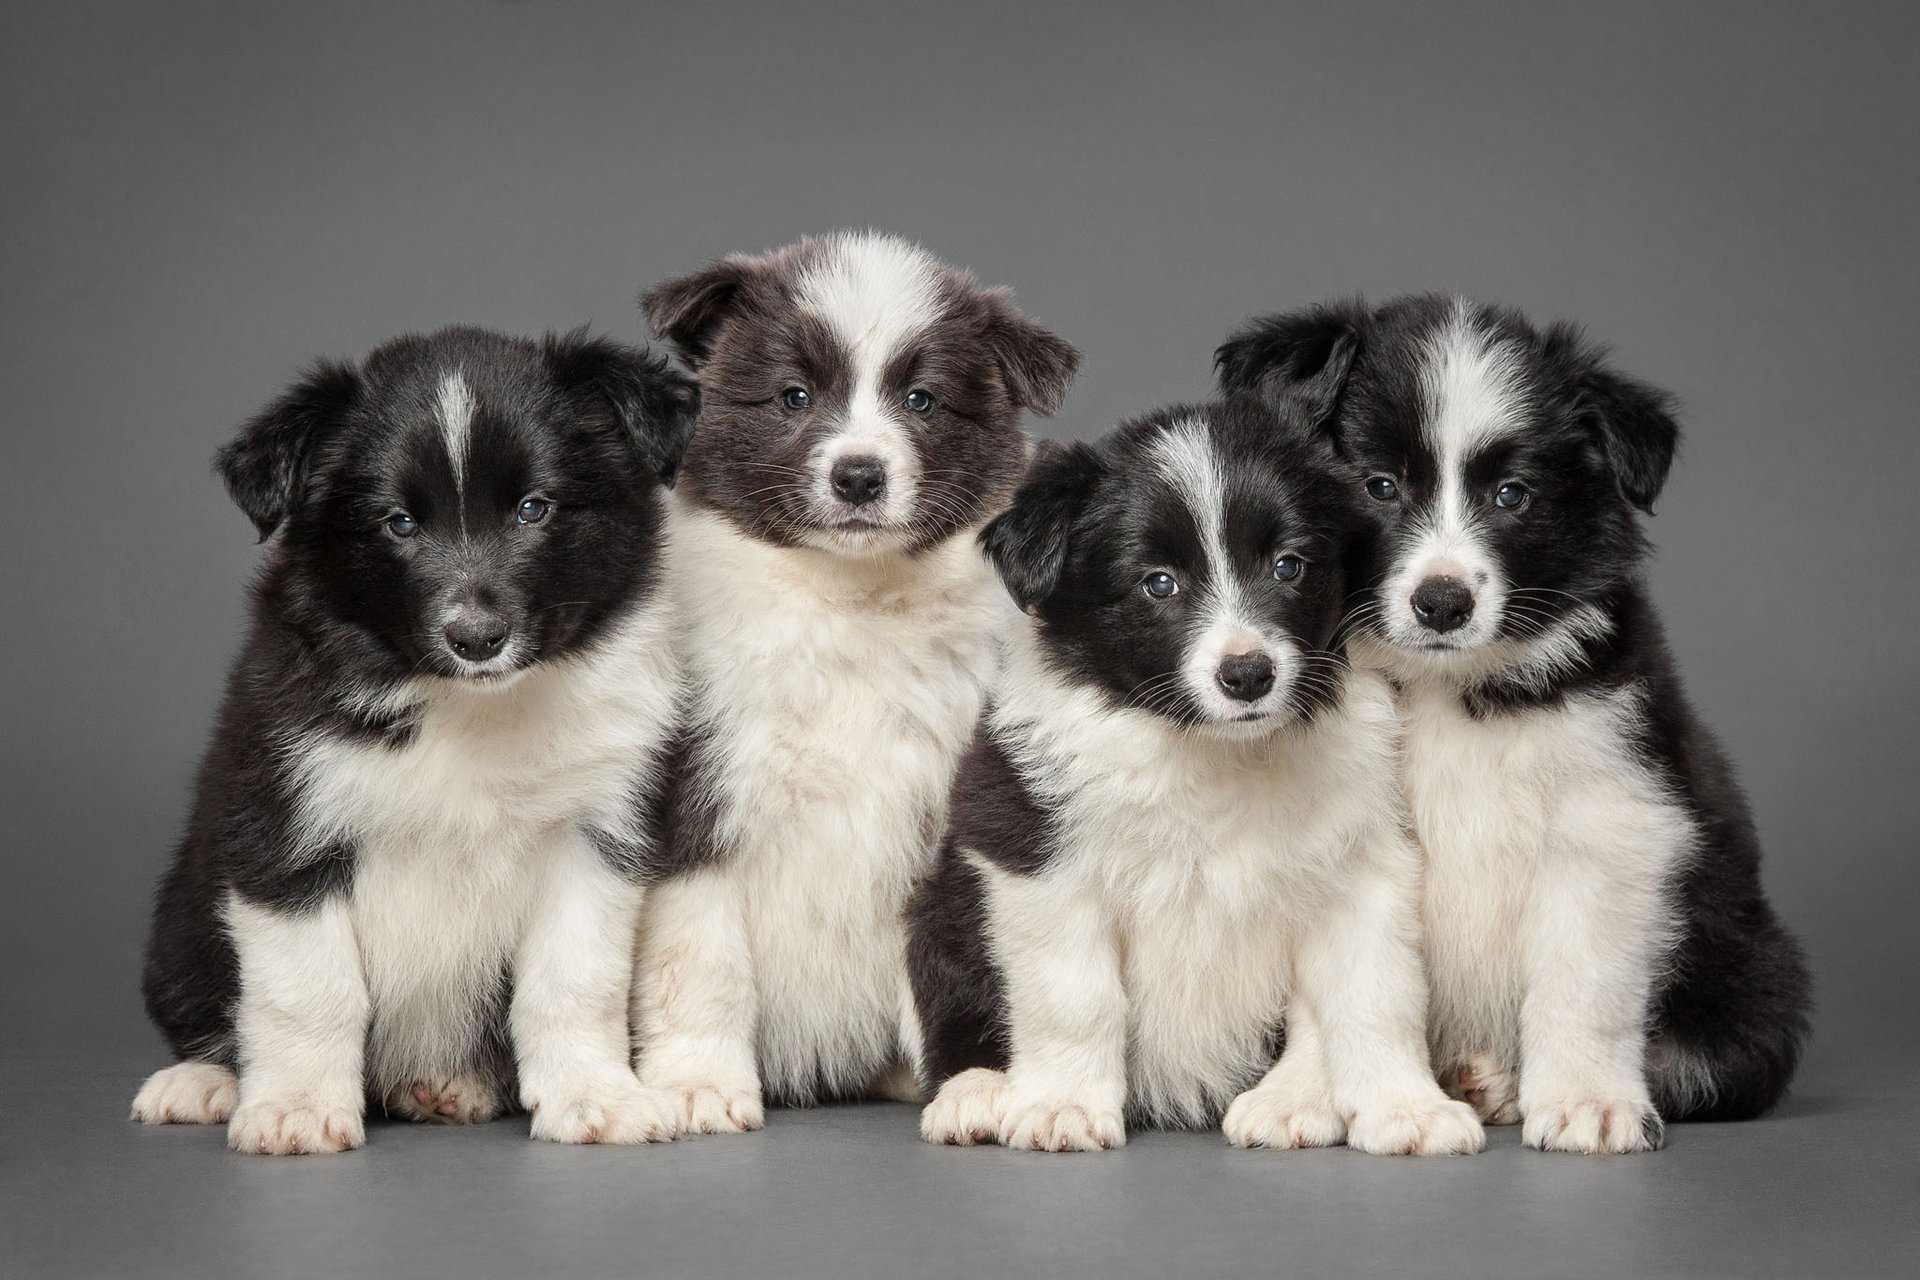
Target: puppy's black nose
{"points": [[858, 480], [1245, 677], [478, 635], [1442, 604]]}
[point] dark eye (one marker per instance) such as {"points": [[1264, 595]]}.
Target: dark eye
{"points": [[919, 401], [1383, 487], [533, 510], [1287, 568], [1160, 586], [402, 525], [1511, 496], [796, 398]]}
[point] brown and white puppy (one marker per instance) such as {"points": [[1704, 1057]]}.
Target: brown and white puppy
{"points": [[860, 423]]}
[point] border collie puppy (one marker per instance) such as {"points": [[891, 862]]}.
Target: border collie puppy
{"points": [[1600, 950], [860, 422], [1176, 832], [413, 864]]}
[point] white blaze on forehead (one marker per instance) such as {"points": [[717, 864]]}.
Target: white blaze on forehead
{"points": [[1185, 458], [876, 293], [1471, 388], [454, 409]]}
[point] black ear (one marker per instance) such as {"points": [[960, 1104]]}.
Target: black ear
{"points": [[1037, 364], [689, 311], [1303, 356], [1028, 541], [655, 405], [265, 466], [1633, 422]]}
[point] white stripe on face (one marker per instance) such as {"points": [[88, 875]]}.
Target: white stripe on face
{"points": [[1185, 458], [876, 294], [455, 412], [1472, 394]]}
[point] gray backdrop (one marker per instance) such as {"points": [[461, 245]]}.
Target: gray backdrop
{"points": [[200, 198]]}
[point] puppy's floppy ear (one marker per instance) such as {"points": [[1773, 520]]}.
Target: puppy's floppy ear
{"points": [[1632, 421], [265, 466], [1302, 355], [1028, 542], [1036, 363], [688, 311], [655, 405]]}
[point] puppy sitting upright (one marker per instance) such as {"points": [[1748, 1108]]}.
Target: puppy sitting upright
{"points": [[860, 422], [1601, 952], [413, 861], [1177, 831]]}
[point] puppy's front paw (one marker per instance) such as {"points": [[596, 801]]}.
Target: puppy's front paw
{"points": [[449, 1099], [295, 1127], [1270, 1117], [187, 1093], [1422, 1127], [1591, 1126], [1488, 1087], [623, 1113], [967, 1110], [1060, 1125], [710, 1107]]}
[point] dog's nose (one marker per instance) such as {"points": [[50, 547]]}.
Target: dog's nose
{"points": [[477, 635], [1245, 677], [858, 480], [1442, 604]]}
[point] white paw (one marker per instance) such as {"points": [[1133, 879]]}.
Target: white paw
{"points": [[1276, 1118], [1590, 1126], [1488, 1087], [1421, 1127], [448, 1099], [295, 1127], [622, 1113], [1061, 1126], [967, 1110], [706, 1107], [187, 1093]]}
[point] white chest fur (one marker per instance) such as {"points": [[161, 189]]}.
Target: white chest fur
{"points": [[451, 829], [836, 697]]}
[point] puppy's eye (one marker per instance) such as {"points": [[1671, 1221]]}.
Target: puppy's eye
{"points": [[533, 510], [402, 525], [796, 398], [1160, 586], [1512, 496], [1383, 488], [919, 401], [1287, 568]]}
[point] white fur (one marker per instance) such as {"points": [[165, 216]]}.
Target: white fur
{"points": [[454, 408], [1203, 887], [876, 293], [471, 859], [838, 693]]}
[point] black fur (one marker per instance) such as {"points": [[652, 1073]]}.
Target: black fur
{"points": [[1594, 446]]}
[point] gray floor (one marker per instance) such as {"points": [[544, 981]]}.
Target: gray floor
{"points": [[1827, 1187]]}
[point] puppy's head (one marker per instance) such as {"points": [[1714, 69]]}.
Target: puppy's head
{"points": [[463, 505], [1192, 564], [858, 396], [1504, 466]]}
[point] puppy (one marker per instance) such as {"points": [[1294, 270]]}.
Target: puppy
{"points": [[414, 856], [1176, 832], [860, 422], [1600, 950]]}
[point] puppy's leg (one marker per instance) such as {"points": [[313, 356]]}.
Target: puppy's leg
{"points": [[695, 1003], [187, 1093], [569, 1012], [1292, 1106], [1067, 1013], [1360, 973], [1596, 926], [301, 1027]]}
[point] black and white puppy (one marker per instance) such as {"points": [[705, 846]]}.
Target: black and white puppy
{"points": [[1176, 833], [413, 863], [1600, 950], [860, 423]]}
